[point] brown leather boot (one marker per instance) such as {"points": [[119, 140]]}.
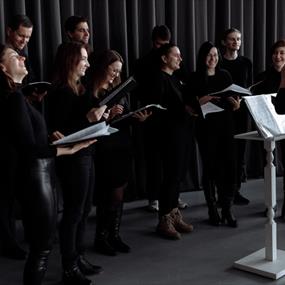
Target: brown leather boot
{"points": [[178, 222], [166, 229]]}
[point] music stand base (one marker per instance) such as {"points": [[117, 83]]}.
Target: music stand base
{"points": [[257, 264]]}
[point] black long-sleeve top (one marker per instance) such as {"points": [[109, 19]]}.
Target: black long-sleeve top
{"points": [[240, 70], [66, 112], [167, 91], [280, 101], [202, 85], [25, 127], [267, 82]]}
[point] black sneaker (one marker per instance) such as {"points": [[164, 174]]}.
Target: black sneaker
{"points": [[240, 200]]}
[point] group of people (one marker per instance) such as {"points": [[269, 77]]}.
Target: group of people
{"points": [[81, 79]]}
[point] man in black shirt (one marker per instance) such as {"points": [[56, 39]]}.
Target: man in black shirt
{"points": [[18, 34], [240, 68]]}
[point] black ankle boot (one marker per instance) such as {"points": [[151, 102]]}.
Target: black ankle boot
{"points": [[228, 218], [114, 238], [73, 276], [103, 246], [35, 268], [88, 268], [214, 216], [119, 245]]}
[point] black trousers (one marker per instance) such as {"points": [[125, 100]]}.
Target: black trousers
{"points": [[216, 144], [175, 141], [76, 175]]}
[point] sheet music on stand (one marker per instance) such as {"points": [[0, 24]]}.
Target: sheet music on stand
{"points": [[268, 122]]}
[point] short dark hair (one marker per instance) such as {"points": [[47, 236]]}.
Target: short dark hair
{"points": [[72, 22], [161, 32], [278, 44], [229, 31], [20, 20]]}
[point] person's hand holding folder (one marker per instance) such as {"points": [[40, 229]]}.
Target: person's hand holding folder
{"points": [[95, 114], [142, 115]]}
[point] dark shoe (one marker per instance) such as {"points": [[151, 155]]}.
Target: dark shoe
{"points": [[74, 276], [15, 252], [119, 245], [214, 216], [104, 247], [88, 268], [229, 219], [35, 267], [240, 200]]}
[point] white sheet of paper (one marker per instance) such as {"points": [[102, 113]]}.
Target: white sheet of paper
{"points": [[95, 131], [210, 108], [263, 112]]}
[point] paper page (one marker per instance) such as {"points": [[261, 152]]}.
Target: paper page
{"points": [[234, 88], [263, 112], [210, 108], [94, 131]]}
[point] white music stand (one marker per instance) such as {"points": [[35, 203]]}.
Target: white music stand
{"points": [[269, 261]]}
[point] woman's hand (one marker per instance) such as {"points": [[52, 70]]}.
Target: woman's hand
{"points": [[207, 98], [191, 111], [106, 115], [56, 136], [68, 150], [234, 102], [116, 110], [142, 116], [95, 114]]}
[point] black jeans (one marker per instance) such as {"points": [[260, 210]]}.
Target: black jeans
{"points": [[76, 174]]}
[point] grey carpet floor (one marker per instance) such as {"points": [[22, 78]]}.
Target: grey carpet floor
{"points": [[203, 257]]}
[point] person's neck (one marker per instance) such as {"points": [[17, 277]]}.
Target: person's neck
{"points": [[278, 68], [231, 54], [167, 70], [105, 86], [211, 71], [18, 79]]}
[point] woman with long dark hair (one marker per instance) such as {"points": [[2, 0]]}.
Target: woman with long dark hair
{"points": [[215, 134], [27, 136], [68, 112], [113, 154]]}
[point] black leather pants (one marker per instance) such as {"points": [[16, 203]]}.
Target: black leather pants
{"points": [[38, 202]]}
